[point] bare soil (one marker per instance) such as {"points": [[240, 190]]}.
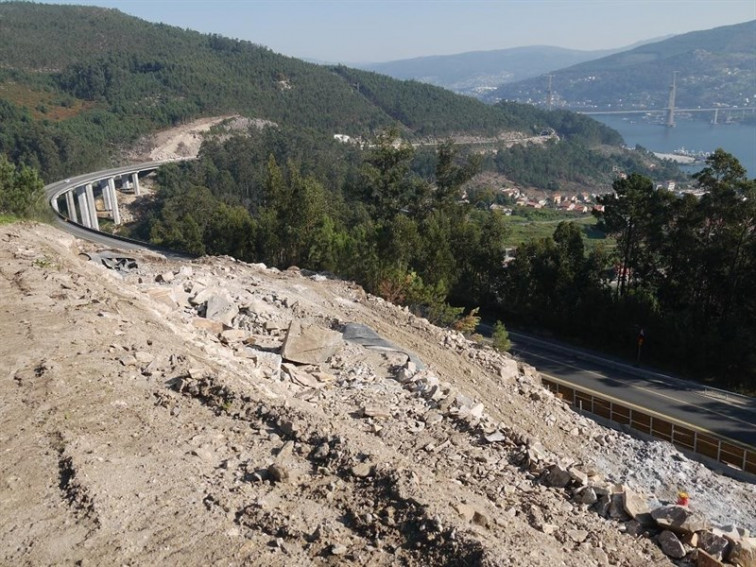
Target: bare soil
{"points": [[135, 431]]}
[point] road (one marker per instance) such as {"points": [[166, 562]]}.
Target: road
{"points": [[723, 413], [57, 188]]}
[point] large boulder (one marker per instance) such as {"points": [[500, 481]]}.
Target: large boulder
{"points": [[679, 519], [221, 309], [308, 344], [636, 508]]}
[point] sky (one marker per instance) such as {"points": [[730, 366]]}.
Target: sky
{"points": [[371, 31]]}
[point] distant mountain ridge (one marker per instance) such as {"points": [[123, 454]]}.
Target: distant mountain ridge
{"points": [[715, 67], [476, 73]]}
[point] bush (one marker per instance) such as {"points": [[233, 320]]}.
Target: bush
{"points": [[500, 337]]}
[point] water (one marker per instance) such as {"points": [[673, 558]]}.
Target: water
{"points": [[693, 135]]}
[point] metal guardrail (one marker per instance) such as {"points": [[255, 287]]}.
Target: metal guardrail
{"points": [[683, 436]]}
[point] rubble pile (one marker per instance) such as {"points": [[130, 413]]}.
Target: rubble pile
{"points": [[215, 411]]}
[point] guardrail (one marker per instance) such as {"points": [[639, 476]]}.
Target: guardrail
{"points": [[683, 436]]}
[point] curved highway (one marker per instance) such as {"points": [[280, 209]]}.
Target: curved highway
{"points": [[54, 191]]}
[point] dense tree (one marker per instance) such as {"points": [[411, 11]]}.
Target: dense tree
{"points": [[21, 191]]}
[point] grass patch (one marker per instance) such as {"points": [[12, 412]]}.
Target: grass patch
{"points": [[7, 219], [534, 224]]}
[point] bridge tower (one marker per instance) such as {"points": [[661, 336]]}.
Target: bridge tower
{"points": [[671, 105]]}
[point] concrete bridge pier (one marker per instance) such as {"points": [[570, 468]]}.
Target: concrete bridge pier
{"points": [[106, 201], [71, 206], [81, 197], [135, 181], [113, 199], [93, 221]]}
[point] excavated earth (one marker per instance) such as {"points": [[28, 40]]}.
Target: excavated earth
{"points": [[209, 411]]}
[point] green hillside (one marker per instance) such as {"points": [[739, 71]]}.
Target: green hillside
{"points": [[77, 81], [714, 67], [80, 84]]}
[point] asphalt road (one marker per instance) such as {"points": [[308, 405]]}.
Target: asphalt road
{"points": [[722, 413]]}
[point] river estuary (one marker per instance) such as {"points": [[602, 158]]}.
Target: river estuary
{"points": [[692, 135]]}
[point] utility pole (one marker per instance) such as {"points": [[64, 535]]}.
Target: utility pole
{"points": [[549, 96], [671, 105]]}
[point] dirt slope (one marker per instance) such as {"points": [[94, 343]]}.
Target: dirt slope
{"points": [[135, 430]]}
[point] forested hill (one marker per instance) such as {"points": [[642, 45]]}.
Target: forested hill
{"points": [[714, 67], [67, 70]]}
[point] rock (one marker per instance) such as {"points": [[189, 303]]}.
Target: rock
{"points": [[278, 472], [308, 344], [679, 519], [557, 477], [703, 559], [586, 496], [578, 476], [221, 309], [481, 519], [165, 277], [743, 553], [495, 437], [338, 549], [508, 369], [636, 508], [362, 470], [213, 327], [578, 536], [670, 545], [714, 545], [616, 508]]}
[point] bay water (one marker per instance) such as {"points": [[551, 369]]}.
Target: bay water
{"points": [[693, 135]]}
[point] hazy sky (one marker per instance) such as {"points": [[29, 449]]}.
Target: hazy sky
{"points": [[361, 31]]}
